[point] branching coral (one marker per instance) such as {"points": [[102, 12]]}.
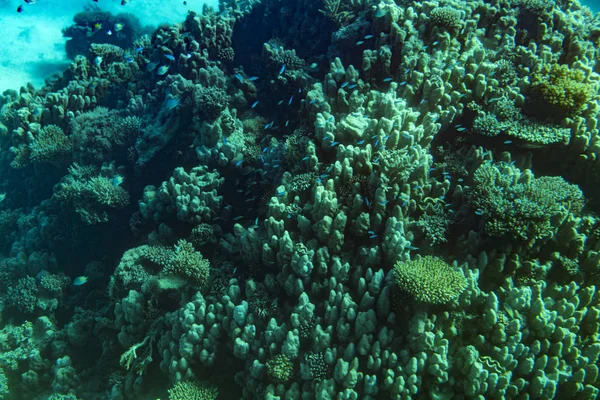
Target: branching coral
{"points": [[92, 197], [429, 279], [190, 390], [522, 210], [560, 91]]}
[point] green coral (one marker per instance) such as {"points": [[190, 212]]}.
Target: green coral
{"points": [[51, 146], [3, 385], [189, 264], [522, 210], [562, 91], [447, 17], [280, 369], [191, 390], [429, 279], [91, 196]]}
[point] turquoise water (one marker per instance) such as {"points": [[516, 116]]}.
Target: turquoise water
{"points": [[288, 199]]}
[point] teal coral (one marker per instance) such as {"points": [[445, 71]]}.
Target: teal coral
{"points": [[193, 391]]}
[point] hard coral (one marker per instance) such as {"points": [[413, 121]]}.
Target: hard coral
{"points": [[429, 279], [558, 91], [193, 391], [521, 209]]}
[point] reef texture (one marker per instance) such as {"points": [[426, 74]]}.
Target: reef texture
{"points": [[309, 200]]}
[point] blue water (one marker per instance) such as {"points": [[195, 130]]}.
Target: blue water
{"points": [[298, 199]]}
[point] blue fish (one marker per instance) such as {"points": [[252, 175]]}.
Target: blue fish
{"points": [[360, 142], [313, 101], [237, 164], [239, 77], [334, 143], [290, 101], [253, 78], [352, 86], [387, 80], [287, 122], [172, 103], [282, 69], [280, 102], [360, 42], [343, 85], [507, 141], [224, 140], [367, 37], [139, 49], [254, 104], [281, 193], [237, 218], [372, 236], [305, 158], [170, 57], [80, 280]]}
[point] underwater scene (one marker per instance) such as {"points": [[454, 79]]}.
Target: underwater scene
{"points": [[299, 199]]}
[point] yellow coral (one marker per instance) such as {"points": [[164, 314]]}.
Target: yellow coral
{"points": [[562, 91]]}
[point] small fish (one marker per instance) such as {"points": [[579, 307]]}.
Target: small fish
{"points": [[507, 141], [478, 212], [280, 102], [343, 85], [237, 218], [367, 37], [402, 83], [80, 280], [387, 80], [381, 13], [109, 32], [172, 103], [412, 248], [224, 140], [299, 90], [314, 65], [367, 202], [117, 180], [96, 27], [360, 42], [97, 61], [118, 27], [372, 236], [139, 49], [237, 164], [290, 101], [254, 104], [352, 86], [235, 269], [162, 70], [239, 77], [170, 57], [384, 202], [128, 58], [281, 193], [461, 129], [151, 66], [282, 69], [313, 101], [287, 122], [253, 78], [435, 43], [360, 142]]}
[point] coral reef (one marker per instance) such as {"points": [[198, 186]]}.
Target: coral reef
{"points": [[302, 200]]}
